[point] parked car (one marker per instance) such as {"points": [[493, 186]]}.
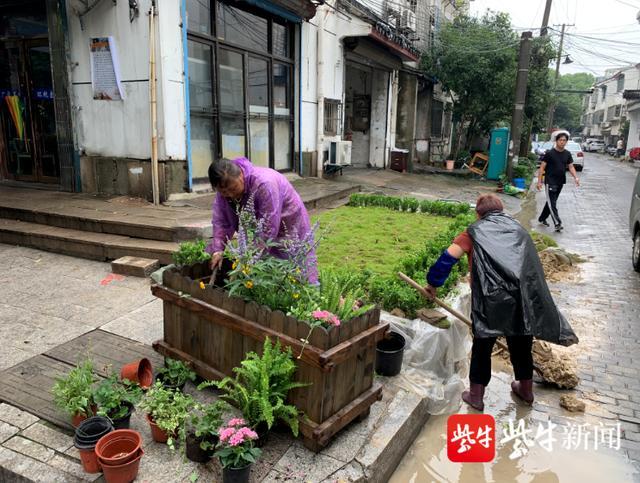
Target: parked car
{"points": [[576, 154], [577, 139], [595, 146], [634, 225], [534, 146], [585, 144]]}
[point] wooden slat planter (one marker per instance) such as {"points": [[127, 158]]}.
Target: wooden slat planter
{"points": [[214, 331]]}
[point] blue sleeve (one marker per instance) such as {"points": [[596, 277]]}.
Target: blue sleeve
{"points": [[440, 270]]}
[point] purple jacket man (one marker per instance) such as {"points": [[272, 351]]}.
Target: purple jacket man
{"points": [[273, 197]]}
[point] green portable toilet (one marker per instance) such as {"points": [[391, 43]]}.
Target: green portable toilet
{"points": [[498, 150]]}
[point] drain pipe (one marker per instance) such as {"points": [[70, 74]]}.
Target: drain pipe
{"points": [[153, 104], [320, 92]]}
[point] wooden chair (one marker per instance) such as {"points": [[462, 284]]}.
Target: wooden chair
{"points": [[479, 164]]}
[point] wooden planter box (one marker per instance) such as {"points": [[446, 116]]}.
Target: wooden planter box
{"points": [[214, 331]]}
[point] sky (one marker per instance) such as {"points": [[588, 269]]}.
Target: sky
{"points": [[606, 32]]}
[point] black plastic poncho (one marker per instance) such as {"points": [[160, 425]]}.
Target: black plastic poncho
{"points": [[510, 295]]}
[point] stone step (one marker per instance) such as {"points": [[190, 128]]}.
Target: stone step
{"points": [[162, 228], [84, 244]]}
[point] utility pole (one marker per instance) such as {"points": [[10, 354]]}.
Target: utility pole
{"points": [[524, 58], [552, 107], [545, 18]]}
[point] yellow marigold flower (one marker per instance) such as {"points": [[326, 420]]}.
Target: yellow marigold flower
{"points": [[296, 295], [202, 285], [248, 284], [298, 271], [234, 265], [246, 269]]}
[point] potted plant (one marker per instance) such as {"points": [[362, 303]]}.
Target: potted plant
{"points": [[260, 389], [202, 435], [236, 451], [73, 392], [167, 410], [189, 253], [175, 374], [116, 400]]}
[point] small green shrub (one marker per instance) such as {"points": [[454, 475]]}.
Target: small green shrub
{"points": [[190, 253], [412, 205], [175, 373], [73, 393], [112, 396]]}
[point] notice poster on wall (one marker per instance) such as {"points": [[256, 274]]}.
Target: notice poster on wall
{"points": [[105, 70]]}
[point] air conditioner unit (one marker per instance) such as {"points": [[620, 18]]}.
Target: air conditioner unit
{"points": [[408, 20], [340, 153]]}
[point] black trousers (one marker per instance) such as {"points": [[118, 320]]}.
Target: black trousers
{"points": [[519, 353], [552, 192]]}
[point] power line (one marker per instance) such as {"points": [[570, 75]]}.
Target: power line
{"points": [[627, 4]]}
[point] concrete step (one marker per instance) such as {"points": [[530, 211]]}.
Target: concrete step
{"points": [[115, 223], [84, 244]]}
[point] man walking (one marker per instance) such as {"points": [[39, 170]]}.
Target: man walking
{"points": [[620, 148], [552, 170]]}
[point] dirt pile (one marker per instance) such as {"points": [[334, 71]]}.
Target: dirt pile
{"points": [[556, 368], [571, 403], [558, 264]]}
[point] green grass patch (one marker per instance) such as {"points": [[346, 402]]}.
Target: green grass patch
{"points": [[542, 241], [373, 238]]}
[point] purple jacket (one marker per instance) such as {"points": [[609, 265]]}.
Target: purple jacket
{"points": [[273, 197]]}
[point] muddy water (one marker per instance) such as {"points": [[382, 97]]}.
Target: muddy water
{"points": [[427, 460]]}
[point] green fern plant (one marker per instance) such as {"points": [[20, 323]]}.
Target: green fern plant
{"points": [[261, 386]]}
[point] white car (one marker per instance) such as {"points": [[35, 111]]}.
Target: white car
{"points": [[597, 146], [577, 155]]}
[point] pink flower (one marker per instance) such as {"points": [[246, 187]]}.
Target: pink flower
{"points": [[226, 433], [248, 433], [236, 422], [320, 314], [237, 439], [335, 321]]}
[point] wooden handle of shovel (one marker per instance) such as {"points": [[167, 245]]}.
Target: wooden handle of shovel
{"points": [[439, 302]]}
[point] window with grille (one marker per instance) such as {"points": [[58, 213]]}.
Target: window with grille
{"points": [[436, 119], [620, 86], [332, 116]]}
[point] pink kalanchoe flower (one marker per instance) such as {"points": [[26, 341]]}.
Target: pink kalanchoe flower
{"points": [[335, 321], [237, 422], [237, 439], [248, 433], [226, 433], [320, 314]]}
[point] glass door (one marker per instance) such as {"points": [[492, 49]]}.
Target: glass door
{"points": [[259, 111], [233, 136]]}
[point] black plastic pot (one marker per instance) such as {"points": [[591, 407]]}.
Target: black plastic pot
{"points": [[195, 452], [124, 421], [167, 385], [236, 475], [90, 431], [389, 352], [263, 432]]}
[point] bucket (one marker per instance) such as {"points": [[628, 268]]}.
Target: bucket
{"points": [[389, 352], [139, 371], [519, 183], [118, 447], [450, 164], [124, 473]]}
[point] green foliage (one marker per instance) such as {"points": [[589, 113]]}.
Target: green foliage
{"points": [[261, 386], [568, 113], [169, 409], [475, 57], [206, 422], [175, 373], [539, 87], [112, 396], [412, 205], [542, 241], [73, 392], [190, 253]]}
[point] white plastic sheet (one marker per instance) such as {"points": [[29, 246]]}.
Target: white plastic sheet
{"points": [[435, 364]]}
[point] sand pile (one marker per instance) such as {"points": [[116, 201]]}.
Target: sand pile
{"points": [[556, 368], [558, 264], [571, 403]]}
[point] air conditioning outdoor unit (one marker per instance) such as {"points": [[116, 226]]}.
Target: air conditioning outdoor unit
{"points": [[408, 20], [340, 153]]}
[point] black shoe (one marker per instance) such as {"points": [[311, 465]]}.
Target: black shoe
{"points": [[543, 222], [559, 228]]}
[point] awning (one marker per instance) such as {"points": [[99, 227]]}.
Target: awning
{"points": [[365, 50], [291, 10], [405, 52]]}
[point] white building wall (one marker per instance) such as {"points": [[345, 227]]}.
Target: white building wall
{"points": [[122, 128]]}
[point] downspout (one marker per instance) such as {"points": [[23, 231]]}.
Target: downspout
{"points": [[187, 101], [153, 104], [320, 94], [300, 102]]}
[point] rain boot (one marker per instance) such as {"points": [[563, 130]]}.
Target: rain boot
{"points": [[473, 397], [524, 390]]}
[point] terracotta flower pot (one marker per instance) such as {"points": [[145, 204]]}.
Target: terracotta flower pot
{"points": [[139, 371], [118, 447], [159, 436], [124, 473], [76, 419], [89, 459]]}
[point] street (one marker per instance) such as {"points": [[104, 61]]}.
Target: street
{"points": [[602, 307]]}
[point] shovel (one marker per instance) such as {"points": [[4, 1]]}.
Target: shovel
{"points": [[453, 311]]}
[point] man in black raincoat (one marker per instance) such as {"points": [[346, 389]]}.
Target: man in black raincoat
{"points": [[509, 297]]}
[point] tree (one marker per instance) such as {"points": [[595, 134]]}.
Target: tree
{"points": [[476, 59], [568, 113]]}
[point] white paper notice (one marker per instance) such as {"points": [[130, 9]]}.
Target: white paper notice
{"points": [[105, 71]]}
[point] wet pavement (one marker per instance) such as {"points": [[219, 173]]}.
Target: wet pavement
{"points": [[603, 305]]}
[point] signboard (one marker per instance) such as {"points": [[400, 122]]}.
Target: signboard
{"points": [[105, 70]]}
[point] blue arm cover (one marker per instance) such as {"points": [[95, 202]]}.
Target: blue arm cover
{"points": [[440, 270]]}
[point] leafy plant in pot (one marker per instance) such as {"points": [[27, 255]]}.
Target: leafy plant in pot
{"points": [[236, 451], [73, 393], [167, 411], [116, 400], [260, 389], [202, 432], [175, 374]]}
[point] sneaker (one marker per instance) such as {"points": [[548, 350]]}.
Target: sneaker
{"points": [[559, 228], [543, 222]]}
